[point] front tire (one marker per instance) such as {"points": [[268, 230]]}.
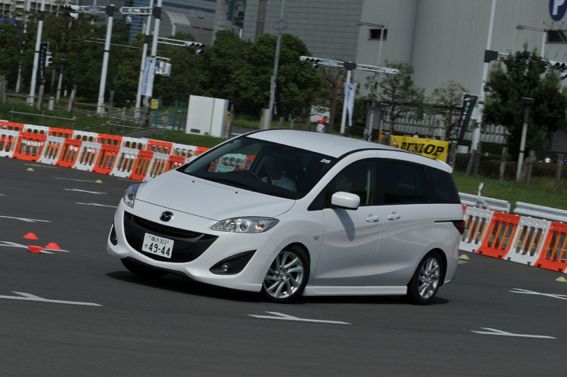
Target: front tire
{"points": [[426, 280], [287, 276], [142, 270]]}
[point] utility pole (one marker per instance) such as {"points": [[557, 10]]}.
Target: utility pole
{"points": [[143, 63], [102, 86], [41, 15], [527, 102], [276, 65], [26, 18], [476, 132]]}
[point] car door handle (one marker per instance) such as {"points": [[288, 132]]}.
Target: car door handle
{"points": [[372, 219], [393, 216]]}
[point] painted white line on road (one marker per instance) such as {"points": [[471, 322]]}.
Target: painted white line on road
{"points": [[41, 166], [22, 296], [527, 292], [285, 317], [75, 180], [2, 195], [20, 246], [26, 220], [490, 331], [85, 191], [95, 205]]}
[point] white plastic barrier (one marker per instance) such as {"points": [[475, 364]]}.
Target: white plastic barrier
{"points": [[8, 142], [476, 220], [85, 136], [52, 150], [528, 241], [554, 214], [125, 162], [158, 165], [87, 156], [493, 204], [42, 130]]}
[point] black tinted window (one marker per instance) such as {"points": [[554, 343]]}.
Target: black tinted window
{"points": [[401, 183], [442, 187], [357, 178]]}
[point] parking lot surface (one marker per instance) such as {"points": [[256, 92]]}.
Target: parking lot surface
{"points": [[70, 309]]}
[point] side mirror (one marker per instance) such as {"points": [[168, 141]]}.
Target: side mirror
{"points": [[345, 200]]}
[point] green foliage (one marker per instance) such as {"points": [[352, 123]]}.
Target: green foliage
{"points": [[525, 74], [9, 56], [449, 98], [231, 68], [396, 93]]}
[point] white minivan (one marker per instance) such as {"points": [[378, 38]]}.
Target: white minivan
{"points": [[290, 213]]}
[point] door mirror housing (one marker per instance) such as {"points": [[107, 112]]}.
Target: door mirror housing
{"points": [[345, 200]]}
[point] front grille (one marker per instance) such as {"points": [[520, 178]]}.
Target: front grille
{"points": [[187, 245]]}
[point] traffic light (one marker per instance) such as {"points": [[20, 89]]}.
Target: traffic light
{"points": [[72, 10], [197, 46], [48, 59], [311, 59], [560, 67]]}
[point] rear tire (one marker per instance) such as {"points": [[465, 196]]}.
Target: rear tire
{"points": [[142, 270], [426, 280], [287, 276]]}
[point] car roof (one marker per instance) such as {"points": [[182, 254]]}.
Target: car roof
{"points": [[327, 144]]}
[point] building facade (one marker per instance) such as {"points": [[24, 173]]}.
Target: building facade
{"points": [[442, 39]]}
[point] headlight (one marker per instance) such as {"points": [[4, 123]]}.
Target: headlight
{"points": [[130, 195], [245, 224]]}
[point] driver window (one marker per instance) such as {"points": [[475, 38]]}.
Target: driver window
{"points": [[357, 178]]}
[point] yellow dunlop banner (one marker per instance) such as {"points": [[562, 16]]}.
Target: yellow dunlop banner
{"points": [[435, 149]]}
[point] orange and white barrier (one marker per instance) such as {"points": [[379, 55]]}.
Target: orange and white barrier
{"points": [[8, 142], [498, 238], [554, 252], [476, 225], [527, 243], [88, 154]]}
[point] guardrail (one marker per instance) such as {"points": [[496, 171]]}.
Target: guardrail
{"points": [[483, 201], [532, 210]]}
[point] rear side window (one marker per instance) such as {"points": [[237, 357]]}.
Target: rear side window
{"points": [[401, 182], [442, 187]]}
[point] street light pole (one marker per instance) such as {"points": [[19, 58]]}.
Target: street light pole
{"points": [[343, 115], [274, 79], [102, 86], [156, 11], [527, 102], [476, 132], [33, 83], [143, 64]]}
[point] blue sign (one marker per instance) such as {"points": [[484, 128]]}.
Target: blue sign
{"points": [[557, 9]]}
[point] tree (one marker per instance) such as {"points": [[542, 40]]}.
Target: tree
{"points": [[396, 92], [525, 74], [449, 98]]}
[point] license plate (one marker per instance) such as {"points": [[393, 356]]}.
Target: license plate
{"points": [[157, 245]]}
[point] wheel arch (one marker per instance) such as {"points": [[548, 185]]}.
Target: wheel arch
{"points": [[443, 257]]}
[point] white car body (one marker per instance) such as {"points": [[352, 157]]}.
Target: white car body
{"points": [[371, 250]]}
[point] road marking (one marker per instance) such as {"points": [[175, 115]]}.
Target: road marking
{"points": [[95, 205], [2, 195], [490, 331], [29, 297], [41, 166], [463, 262], [74, 179], [285, 317], [85, 191], [26, 220], [527, 292], [20, 246]]}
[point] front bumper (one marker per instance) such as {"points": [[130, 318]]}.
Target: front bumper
{"points": [[223, 246]]}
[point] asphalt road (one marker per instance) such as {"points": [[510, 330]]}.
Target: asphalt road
{"points": [[176, 327]]}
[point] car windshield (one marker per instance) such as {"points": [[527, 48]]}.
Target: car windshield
{"points": [[262, 166]]}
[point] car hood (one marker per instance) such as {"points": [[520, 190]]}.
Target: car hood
{"points": [[185, 193]]}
